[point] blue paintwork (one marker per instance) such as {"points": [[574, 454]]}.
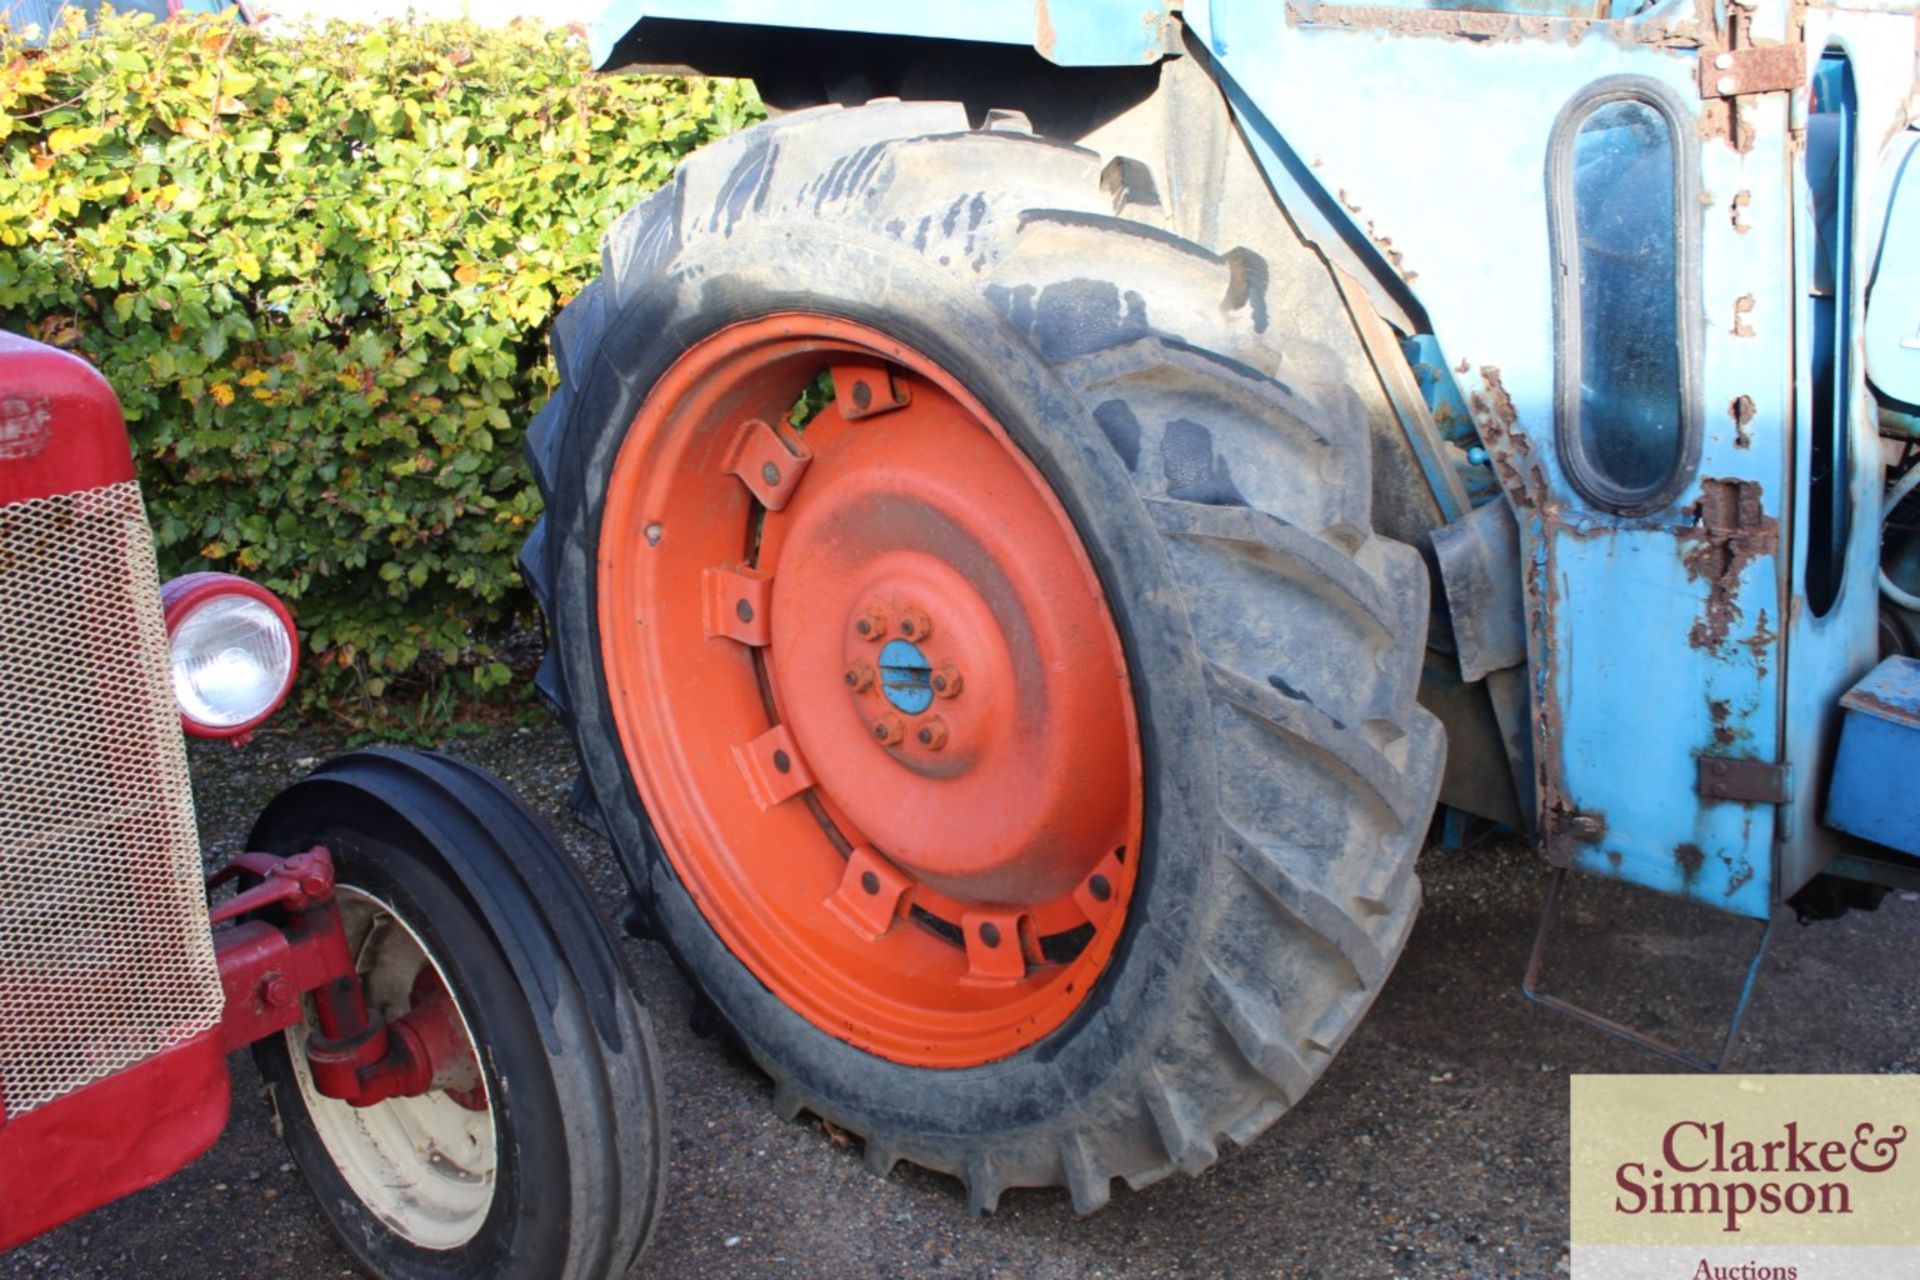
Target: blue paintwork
{"points": [[1412, 151], [1831, 652], [1893, 307], [1879, 758], [905, 676], [1612, 603], [1072, 33]]}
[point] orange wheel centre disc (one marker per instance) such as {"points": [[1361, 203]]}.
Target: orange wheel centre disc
{"points": [[866, 678]]}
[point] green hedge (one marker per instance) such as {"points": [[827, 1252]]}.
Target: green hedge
{"points": [[318, 269]]}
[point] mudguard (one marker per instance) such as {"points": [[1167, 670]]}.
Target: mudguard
{"points": [[1085, 33]]}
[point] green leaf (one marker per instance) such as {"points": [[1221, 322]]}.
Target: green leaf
{"points": [[317, 269]]}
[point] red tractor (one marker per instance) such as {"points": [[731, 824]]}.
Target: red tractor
{"points": [[451, 1043]]}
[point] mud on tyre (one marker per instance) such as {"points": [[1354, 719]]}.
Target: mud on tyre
{"points": [[1270, 775]]}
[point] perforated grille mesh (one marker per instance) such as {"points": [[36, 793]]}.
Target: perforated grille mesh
{"points": [[104, 952]]}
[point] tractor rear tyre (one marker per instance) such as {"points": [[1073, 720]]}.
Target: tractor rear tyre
{"points": [[1020, 749]]}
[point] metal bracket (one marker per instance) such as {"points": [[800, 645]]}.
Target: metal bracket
{"points": [[1530, 987], [1745, 781], [1735, 73]]}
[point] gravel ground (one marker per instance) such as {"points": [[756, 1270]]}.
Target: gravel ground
{"points": [[1435, 1146]]}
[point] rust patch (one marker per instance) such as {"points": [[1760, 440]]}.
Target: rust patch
{"points": [[1718, 709], [1690, 858], [1488, 27], [1383, 243], [1741, 411], [1742, 308], [1741, 199], [1771, 68], [1498, 423], [1044, 37], [1736, 876], [1733, 67], [1562, 825], [1760, 643], [1730, 531], [1496, 401]]}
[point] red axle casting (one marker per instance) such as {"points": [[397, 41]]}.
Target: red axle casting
{"points": [[354, 1055]]}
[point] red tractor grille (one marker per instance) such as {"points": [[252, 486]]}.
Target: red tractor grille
{"points": [[105, 954]]}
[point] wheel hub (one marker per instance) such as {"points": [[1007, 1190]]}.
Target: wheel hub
{"points": [[891, 748], [906, 677]]}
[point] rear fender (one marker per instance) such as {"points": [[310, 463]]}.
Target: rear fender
{"points": [[1080, 33]]}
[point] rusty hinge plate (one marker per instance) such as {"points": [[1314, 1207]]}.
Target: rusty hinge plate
{"points": [[1747, 781], [1735, 73]]}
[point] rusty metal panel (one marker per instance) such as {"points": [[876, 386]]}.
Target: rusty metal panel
{"points": [[1653, 638]]}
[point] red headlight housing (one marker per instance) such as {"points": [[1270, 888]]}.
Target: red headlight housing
{"points": [[233, 650]]}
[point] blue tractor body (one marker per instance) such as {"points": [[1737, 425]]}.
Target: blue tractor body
{"points": [[1640, 284]]}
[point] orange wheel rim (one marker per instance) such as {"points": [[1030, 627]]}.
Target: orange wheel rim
{"points": [[868, 684]]}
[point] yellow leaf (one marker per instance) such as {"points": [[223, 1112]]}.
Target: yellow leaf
{"points": [[222, 394], [66, 138], [466, 273]]}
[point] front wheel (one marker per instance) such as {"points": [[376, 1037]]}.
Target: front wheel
{"points": [[542, 1160]]}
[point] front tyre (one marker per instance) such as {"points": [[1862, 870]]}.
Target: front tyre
{"points": [[1020, 750], [548, 1163]]}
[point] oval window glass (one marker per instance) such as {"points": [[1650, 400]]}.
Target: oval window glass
{"points": [[1627, 405]]}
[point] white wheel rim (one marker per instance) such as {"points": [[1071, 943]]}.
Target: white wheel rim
{"points": [[425, 1166]]}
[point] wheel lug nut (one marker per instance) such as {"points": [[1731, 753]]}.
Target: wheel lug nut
{"points": [[915, 624], [946, 681], [932, 734], [888, 730], [859, 676], [872, 625]]}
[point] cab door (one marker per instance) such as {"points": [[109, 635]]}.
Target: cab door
{"points": [[1593, 208], [1658, 532]]}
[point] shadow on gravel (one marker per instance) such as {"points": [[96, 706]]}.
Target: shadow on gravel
{"points": [[1435, 1146]]}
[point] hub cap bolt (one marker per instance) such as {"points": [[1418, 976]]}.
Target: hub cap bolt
{"points": [[888, 730], [915, 624], [872, 625], [859, 676], [946, 681], [932, 733]]}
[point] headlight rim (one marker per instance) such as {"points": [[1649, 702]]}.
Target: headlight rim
{"points": [[181, 597]]}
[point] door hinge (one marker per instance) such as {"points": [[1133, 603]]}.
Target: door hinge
{"points": [[1745, 781], [1739, 67], [1735, 73]]}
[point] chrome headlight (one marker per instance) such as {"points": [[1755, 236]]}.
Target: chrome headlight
{"points": [[234, 652]]}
